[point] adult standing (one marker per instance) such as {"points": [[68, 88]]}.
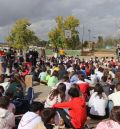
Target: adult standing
{"points": [[21, 58], [35, 56], [10, 59], [42, 53], [62, 53]]}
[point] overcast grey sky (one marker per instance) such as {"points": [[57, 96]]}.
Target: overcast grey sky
{"points": [[101, 16]]}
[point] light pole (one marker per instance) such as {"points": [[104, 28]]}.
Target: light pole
{"points": [[82, 38], [89, 31]]}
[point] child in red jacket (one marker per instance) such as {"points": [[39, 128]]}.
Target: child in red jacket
{"points": [[76, 107]]}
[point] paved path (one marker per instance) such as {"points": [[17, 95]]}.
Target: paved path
{"points": [[41, 91]]}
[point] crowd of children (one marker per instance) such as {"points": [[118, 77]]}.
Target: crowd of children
{"points": [[79, 89]]}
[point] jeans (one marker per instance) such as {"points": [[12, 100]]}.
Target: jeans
{"points": [[110, 106]]}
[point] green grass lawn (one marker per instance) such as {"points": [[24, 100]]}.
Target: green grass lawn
{"points": [[68, 52], [77, 52]]}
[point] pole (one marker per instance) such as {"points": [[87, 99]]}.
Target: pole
{"points": [[89, 34], [82, 38], [89, 31]]}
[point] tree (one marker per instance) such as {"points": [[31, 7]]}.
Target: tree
{"points": [[60, 29], [100, 42], [71, 23], [54, 37], [57, 35], [110, 42], [21, 36], [85, 44], [43, 43]]}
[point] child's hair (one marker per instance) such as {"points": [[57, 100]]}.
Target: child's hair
{"points": [[44, 69], [98, 88], [48, 114], [1, 89], [104, 78], [65, 78], [61, 67], [9, 94], [118, 86], [59, 90], [2, 77], [74, 92], [49, 72], [4, 102], [100, 69], [55, 73], [115, 114], [36, 106], [77, 86], [81, 77]]}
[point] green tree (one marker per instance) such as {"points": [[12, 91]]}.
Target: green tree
{"points": [[57, 35], [60, 28], [110, 42], [71, 23], [85, 44], [21, 35], [54, 37], [100, 42]]}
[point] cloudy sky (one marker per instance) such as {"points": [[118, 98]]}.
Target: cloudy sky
{"points": [[102, 17]]}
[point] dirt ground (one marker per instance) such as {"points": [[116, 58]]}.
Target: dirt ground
{"points": [[105, 54]]}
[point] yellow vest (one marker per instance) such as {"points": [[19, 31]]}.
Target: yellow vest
{"points": [[62, 52]]}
